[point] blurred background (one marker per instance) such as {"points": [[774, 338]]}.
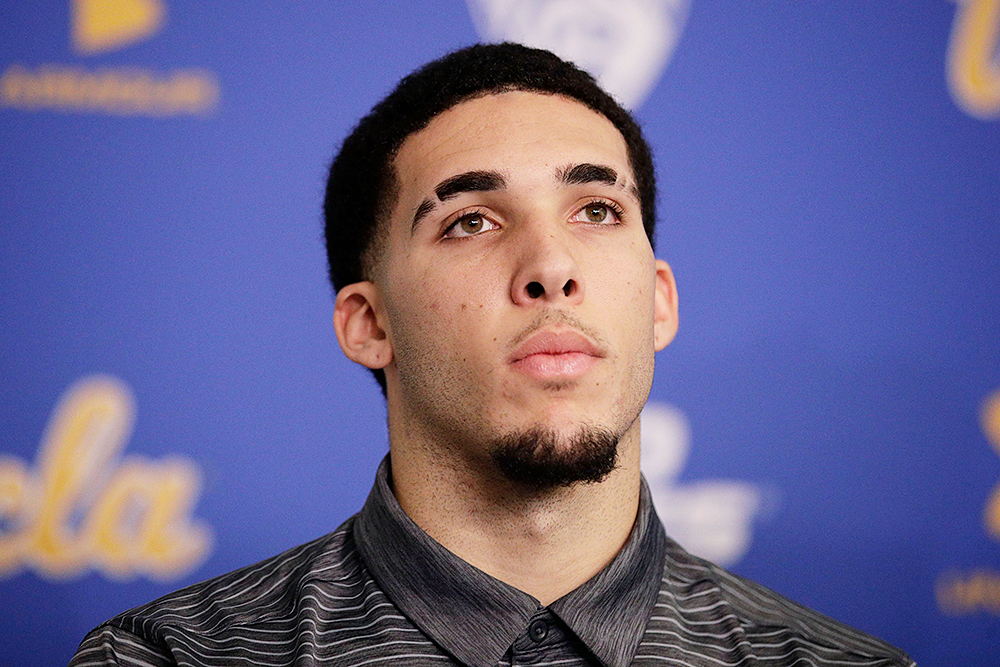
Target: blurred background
{"points": [[173, 402]]}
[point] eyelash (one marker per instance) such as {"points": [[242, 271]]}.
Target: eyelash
{"points": [[612, 206]]}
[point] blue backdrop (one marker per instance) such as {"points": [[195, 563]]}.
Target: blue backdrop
{"points": [[174, 404]]}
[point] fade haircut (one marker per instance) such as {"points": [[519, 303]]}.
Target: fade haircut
{"points": [[361, 190]]}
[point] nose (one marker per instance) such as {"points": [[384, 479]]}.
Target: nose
{"points": [[547, 271]]}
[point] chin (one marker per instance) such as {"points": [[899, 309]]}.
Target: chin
{"points": [[543, 458]]}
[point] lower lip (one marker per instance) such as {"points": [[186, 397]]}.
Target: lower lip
{"points": [[565, 366]]}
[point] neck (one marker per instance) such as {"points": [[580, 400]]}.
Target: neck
{"points": [[543, 542]]}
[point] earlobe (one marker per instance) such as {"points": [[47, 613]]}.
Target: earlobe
{"points": [[360, 329], [665, 318]]}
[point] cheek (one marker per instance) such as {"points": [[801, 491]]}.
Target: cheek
{"points": [[628, 297], [629, 276], [452, 323]]}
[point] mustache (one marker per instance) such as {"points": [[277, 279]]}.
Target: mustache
{"points": [[553, 317]]}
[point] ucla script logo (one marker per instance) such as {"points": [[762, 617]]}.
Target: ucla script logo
{"points": [[711, 518], [98, 27], [973, 61], [83, 506], [625, 44]]}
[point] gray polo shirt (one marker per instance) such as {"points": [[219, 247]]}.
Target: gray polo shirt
{"points": [[380, 591]]}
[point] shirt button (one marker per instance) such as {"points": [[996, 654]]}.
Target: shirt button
{"points": [[538, 630]]}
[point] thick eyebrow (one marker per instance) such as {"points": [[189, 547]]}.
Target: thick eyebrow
{"points": [[584, 173], [470, 181]]}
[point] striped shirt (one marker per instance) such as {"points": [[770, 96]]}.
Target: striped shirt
{"points": [[380, 591]]}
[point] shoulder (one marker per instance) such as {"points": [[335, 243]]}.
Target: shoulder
{"points": [[252, 594], [770, 624], [265, 597]]}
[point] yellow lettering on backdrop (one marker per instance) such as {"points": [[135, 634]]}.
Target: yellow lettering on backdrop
{"points": [[117, 91], [79, 509], [973, 71], [87, 430], [990, 419], [104, 25], [961, 594], [13, 478], [163, 492]]}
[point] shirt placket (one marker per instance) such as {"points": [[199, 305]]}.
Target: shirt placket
{"points": [[543, 641]]}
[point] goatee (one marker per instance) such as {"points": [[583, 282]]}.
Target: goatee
{"points": [[541, 459]]}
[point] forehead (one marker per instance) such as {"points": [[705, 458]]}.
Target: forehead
{"points": [[521, 134]]}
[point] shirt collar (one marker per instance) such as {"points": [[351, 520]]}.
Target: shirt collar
{"points": [[476, 617], [609, 612]]}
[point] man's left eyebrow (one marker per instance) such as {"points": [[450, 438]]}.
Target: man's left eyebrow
{"points": [[584, 173], [581, 174]]}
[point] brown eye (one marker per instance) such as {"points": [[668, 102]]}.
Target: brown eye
{"points": [[600, 213], [472, 225], [596, 213]]}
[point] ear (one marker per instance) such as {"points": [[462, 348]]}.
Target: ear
{"points": [[664, 306], [360, 325]]}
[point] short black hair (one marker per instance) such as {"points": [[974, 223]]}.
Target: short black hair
{"points": [[361, 189]]}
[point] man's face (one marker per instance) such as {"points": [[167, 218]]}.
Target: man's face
{"points": [[518, 289]]}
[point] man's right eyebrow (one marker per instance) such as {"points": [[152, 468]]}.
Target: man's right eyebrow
{"points": [[470, 181]]}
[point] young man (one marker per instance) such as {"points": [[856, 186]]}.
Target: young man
{"points": [[489, 227]]}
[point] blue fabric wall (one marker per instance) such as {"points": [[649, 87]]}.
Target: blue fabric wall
{"points": [[174, 405]]}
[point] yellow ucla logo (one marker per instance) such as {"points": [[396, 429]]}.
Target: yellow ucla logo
{"points": [[973, 70], [103, 25], [82, 507], [97, 26]]}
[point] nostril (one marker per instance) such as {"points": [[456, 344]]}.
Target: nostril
{"points": [[569, 287], [535, 290]]}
